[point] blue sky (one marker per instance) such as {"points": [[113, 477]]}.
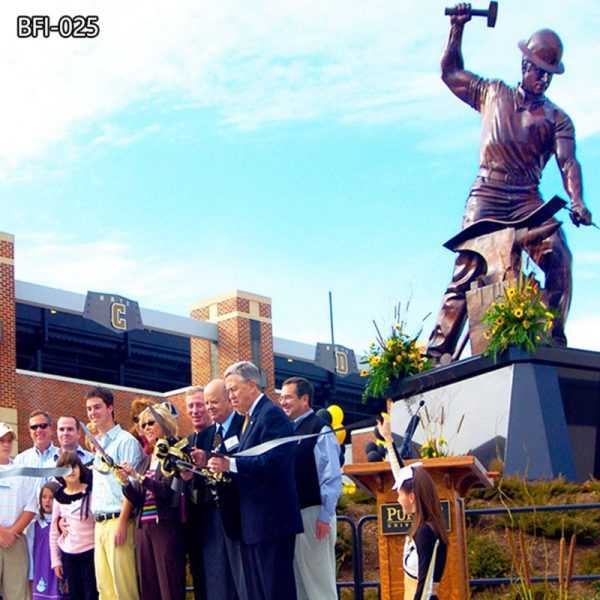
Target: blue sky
{"points": [[286, 149]]}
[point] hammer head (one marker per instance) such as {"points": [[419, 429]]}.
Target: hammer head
{"points": [[492, 14]]}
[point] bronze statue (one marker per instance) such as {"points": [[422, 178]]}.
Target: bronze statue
{"points": [[521, 130]]}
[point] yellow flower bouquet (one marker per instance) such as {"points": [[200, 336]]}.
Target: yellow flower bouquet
{"points": [[520, 318], [394, 357]]}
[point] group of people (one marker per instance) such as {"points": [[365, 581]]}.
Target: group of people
{"points": [[118, 524]]}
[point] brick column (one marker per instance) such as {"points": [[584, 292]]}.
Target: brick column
{"points": [[8, 344], [245, 333]]}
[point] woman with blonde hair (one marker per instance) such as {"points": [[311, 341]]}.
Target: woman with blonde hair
{"points": [[160, 554], [138, 406], [426, 545]]}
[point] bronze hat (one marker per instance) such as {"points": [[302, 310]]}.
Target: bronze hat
{"points": [[545, 50]]}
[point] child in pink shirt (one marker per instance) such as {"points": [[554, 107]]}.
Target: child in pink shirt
{"points": [[72, 530]]}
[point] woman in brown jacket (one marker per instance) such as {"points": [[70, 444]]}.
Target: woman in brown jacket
{"points": [[158, 535]]}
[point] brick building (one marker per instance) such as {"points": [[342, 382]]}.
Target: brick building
{"points": [[52, 350]]}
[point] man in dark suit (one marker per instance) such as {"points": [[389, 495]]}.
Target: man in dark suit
{"points": [[221, 527], [196, 411], [269, 507]]}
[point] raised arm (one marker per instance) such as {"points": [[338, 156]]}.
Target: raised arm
{"points": [[571, 175], [453, 65], [384, 427]]}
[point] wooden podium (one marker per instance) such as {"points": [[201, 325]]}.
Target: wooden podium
{"points": [[453, 477]]}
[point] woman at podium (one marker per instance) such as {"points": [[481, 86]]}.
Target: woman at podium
{"points": [[426, 544]]}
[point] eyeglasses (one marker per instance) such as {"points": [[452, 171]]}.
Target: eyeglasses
{"points": [[136, 419], [39, 426], [148, 424]]}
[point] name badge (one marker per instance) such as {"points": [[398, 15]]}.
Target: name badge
{"points": [[231, 443]]}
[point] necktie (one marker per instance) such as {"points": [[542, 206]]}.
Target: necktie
{"points": [[218, 439], [246, 419]]}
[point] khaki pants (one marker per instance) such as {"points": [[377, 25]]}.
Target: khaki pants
{"points": [[14, 570], [116, 574], [314, 560]]}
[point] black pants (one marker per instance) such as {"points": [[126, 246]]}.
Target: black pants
{"points": [[192, 536], [223, 564], [270, 569], [79, 571]]}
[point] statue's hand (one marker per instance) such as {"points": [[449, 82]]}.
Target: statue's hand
{"points": [[580, 215], [463, 14]]}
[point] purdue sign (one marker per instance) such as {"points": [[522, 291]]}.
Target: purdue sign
{"points": [[112, 311], [395, 521]]}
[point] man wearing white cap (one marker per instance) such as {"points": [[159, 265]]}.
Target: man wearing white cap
{"points": [[18, 504]]}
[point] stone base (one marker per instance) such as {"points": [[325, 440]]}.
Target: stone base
{"points": [[541, 412]]}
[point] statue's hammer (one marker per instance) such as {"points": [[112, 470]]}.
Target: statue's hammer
{"points": [[491, 13]]}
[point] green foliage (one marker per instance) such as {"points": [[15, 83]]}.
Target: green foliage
{"points": [[519, 318], [343, 548], [553, 525], [590, 564], [362, 497], [487, 558], [542, 530], [350, 594], [343, 503], [495, 593], [392, 358], [514, 491]]}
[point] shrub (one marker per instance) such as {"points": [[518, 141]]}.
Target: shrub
{"points": [[553, 525], [487, 558], [362, 497], [343, 548], [343, 503], [590, 564]]}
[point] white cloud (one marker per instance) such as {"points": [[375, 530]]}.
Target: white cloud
{"points": [[583, 332], [113, 135], [588, 258], [262, 62], [108, 265]]}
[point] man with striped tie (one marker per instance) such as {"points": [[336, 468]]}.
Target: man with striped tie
{"points": [[269, 507]]}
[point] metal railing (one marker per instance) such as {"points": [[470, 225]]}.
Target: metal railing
{"points": [[358, 583], [474, 512]]}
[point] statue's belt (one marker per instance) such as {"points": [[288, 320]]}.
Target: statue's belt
{"points": [[504, 177]]}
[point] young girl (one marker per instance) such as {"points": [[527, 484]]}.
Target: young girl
{"points": [[426, 544], [72, 530], [45, 583]]}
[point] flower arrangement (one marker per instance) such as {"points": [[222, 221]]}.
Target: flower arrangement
{"points": [[394, 357], [434, 448], [519, 318], [433, 423]]}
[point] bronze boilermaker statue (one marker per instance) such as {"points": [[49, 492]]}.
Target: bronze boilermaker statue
{"points": [[521, 130]]}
